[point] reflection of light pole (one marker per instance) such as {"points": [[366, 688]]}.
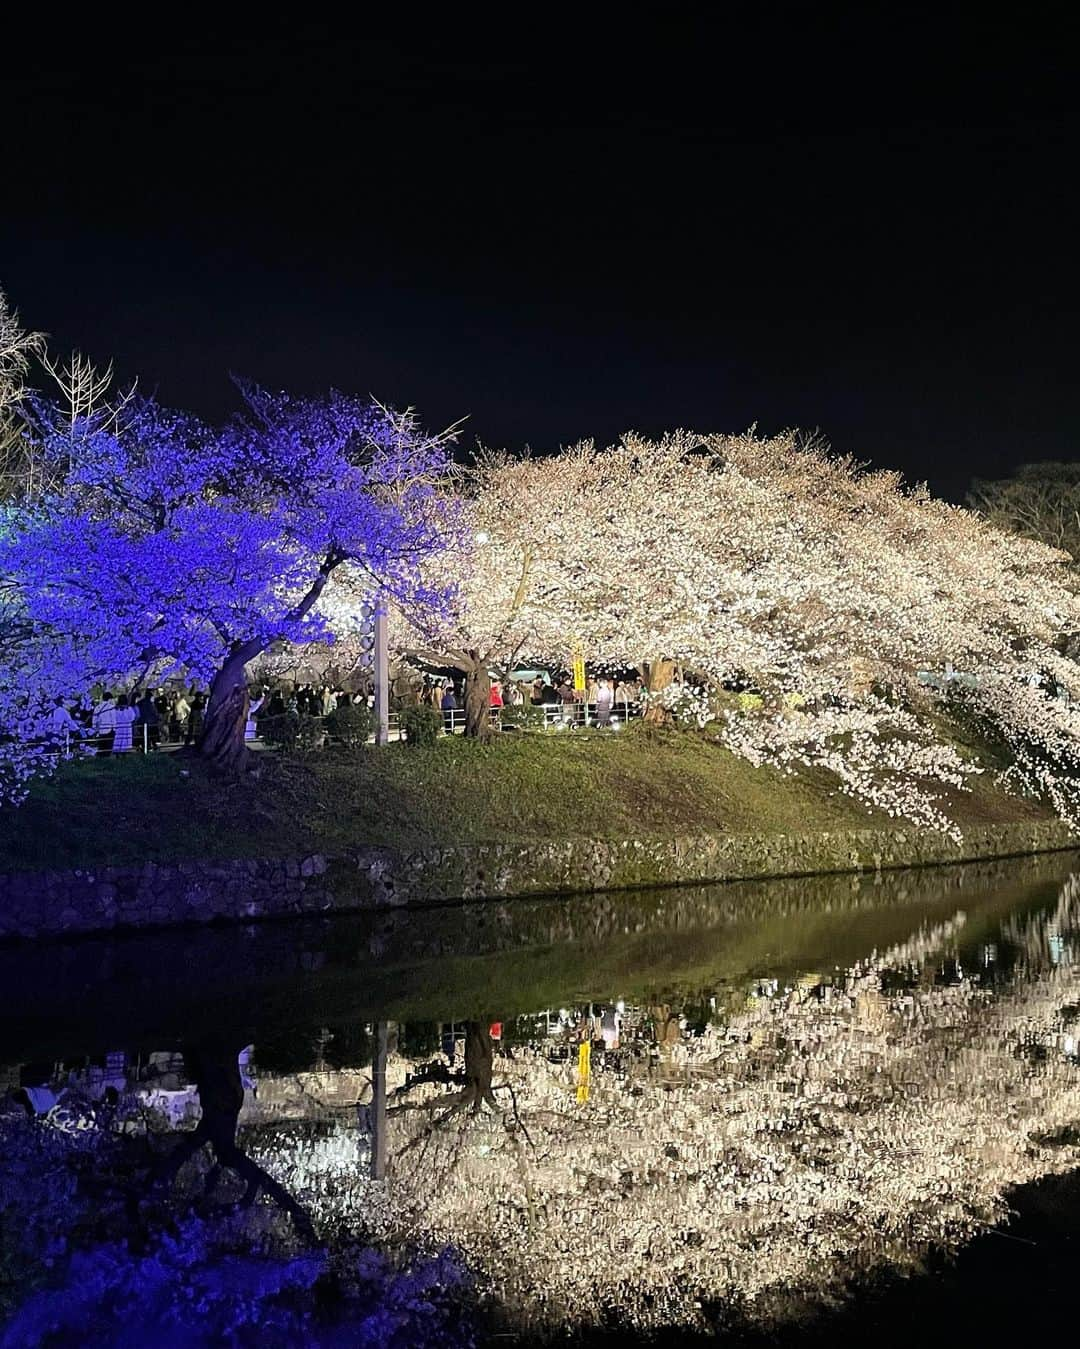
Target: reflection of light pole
{"points": [[378, 1102], [382, 675]]}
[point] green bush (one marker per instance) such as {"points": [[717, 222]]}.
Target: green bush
{"points": [[292, 732], [527, 717], [420, 725], [351, 724]]}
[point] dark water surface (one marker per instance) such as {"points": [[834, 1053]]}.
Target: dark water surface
{"points": [[791, 1111]]}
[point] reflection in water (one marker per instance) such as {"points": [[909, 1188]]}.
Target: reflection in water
{"points": [[213, 1066], [663, 1155], [804, 1134]]}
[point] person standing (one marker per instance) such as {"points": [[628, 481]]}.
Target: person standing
{"points": [[60, 724], [605, 698], [181, 711], [102, 721], [148, 717], [449, 707], [161, 702], [123, 718], [195, 719], [256, 701]]}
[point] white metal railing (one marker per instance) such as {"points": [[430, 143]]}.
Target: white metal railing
{"points": [[93, 741], [556, 716]]}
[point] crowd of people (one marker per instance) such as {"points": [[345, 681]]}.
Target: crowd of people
{"points": [[556, 693], [120, 723], [602, 694]]}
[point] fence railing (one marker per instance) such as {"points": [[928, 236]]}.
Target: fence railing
{"points": [[147, 739], [143, 740], [557, 716]]}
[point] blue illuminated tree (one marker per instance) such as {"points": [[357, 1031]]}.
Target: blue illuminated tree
{"points": [[172, 545]]}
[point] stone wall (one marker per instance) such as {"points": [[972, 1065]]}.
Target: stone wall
{"points": [[154, 895]]}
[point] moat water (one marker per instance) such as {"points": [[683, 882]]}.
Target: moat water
{"points": [[779, 1112]]}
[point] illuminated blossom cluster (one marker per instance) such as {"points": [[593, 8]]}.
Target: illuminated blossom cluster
{"points": [[173, 546], [33, 664], [23, 693], [837, 597], [856, 616]]}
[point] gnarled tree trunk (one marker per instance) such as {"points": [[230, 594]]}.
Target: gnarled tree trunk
{"points": [[479, 1062], [656, 675], [478, 699], [216, 1071], [222, 742]]}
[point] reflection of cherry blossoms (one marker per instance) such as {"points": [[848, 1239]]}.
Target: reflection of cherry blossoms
{"points": [[817, 1134]]}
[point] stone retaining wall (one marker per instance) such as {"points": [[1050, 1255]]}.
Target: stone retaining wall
{"points": [[103, 898]]}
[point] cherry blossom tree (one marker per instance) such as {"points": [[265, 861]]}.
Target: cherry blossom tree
{"points": [[833, 592], [172, 545], [1040, 501], [504, 566], [24, 689]]}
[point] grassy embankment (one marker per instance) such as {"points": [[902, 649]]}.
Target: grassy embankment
{"points": [[635, 784]]}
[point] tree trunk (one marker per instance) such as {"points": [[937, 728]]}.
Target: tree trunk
{"points": [[216, 1069], [657, 675], [479, 1061], [222, 741], [478, 701]]}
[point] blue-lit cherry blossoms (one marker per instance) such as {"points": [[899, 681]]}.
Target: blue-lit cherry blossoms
{"points": [[166, 544]]}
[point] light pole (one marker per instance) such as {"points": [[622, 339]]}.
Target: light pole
{"points": [[378, 1102], [382, 675]]}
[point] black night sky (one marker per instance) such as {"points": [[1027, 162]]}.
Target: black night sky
{"points": [[864, 225]]}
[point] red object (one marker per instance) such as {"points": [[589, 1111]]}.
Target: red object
{"points": [[495, 1030], [496, 699]]}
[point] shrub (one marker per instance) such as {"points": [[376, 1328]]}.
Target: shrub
{"points": [[527, 717], [292, 731], [420, 725], [351, 724]]}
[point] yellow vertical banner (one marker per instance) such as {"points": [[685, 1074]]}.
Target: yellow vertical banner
{"points": [[584, 1068], [579, 672]]}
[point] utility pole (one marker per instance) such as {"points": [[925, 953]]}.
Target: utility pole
{"points": [[378, 1102], [382, 675]]}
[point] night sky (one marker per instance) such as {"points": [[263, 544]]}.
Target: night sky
{"points": [[864, 225]]}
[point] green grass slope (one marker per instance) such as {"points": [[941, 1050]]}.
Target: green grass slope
{"points": [[637, 783]]}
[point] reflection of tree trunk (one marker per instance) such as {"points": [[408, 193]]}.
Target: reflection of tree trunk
{"points": [[475, 1082], [215, 1068], [222, 743], [479, 1060], [478, 699], [656, 675], [665, 1026]]}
